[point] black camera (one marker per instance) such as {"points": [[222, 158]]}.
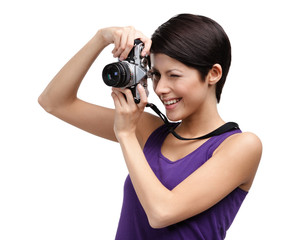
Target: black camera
{"points": [[128, 73]]}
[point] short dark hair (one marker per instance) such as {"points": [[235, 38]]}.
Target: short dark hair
{"points": [[195, 41]]}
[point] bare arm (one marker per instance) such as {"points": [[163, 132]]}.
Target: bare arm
{"points": [[233, 165], [60, 96]]}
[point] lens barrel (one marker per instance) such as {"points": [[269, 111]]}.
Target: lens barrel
{"points": [[117, 74]]}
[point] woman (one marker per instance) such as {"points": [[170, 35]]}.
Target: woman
{"points": [[178, 189]]}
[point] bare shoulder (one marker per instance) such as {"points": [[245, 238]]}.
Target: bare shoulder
{"points": [[242, 151], [245, 142], [148, 124]]}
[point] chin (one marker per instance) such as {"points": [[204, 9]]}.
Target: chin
{"points": [[173, 117]]}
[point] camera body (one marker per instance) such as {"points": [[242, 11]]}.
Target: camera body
{"points": [[128, 73]]}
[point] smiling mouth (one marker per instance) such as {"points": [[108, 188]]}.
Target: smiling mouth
{"points": [[171, 102]]}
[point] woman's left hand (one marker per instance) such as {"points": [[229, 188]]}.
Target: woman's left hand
{"points": [[127, 112]]}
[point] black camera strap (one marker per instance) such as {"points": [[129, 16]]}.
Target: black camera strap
{"points": [[224, 128]]}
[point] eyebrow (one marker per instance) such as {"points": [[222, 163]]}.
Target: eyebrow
{"points": [[168, 71], [154, 69]]}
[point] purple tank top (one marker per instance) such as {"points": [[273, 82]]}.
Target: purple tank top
{"points": [[210, 224]]}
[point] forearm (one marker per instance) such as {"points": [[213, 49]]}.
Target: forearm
{"points": [[64, 86], [153, 196]]}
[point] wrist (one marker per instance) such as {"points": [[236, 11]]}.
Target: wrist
{"points": [[125, 137], [103, 37]]}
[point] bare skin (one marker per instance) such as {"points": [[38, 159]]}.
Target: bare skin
{"points": [[187, 98]]}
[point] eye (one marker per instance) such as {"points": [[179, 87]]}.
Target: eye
{"points": [[174, 76], [154, 75]]}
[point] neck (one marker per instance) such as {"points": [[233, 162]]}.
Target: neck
{"points": [[202, 122]]}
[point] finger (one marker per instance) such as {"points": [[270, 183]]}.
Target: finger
{"points": [[128, 100], [147, 43], [143, 96], [116, 100], [125, 44], [121, 46], [117, 41], [120, 95], [128, 44], [147, 47], [129, 97]]}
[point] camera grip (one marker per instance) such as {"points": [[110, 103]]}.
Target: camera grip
{"points": [[135, 93]]}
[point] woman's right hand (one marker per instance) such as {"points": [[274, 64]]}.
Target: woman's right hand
{"points": [[123, 40]]}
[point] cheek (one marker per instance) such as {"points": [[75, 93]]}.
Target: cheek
{"points": [[194, 88], [196, 93]]}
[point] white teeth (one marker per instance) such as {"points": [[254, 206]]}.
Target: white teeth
{"points": [[170, 102]]}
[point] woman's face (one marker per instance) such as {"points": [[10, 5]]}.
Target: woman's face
{"points": [[179, 87]]}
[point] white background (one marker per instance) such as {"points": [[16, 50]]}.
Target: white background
{"points": [[58, 182]]}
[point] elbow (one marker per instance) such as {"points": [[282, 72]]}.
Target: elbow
{"points": [[163, 213], [42, 100], [160, 219], [157, 223]]}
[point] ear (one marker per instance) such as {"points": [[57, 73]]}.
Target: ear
{"points": [[214, 74]]}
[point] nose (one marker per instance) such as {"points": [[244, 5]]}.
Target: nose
{"points": [[161, 86]]}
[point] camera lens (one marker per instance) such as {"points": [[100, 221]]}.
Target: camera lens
{"points": [[117, 74]]}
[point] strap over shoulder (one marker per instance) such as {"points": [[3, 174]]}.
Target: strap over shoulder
{"points": [[224, 128], [229, 126]]}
